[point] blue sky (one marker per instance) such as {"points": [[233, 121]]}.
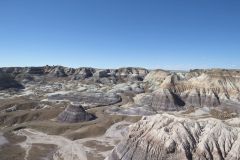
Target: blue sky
{"points": [[169, 34]]}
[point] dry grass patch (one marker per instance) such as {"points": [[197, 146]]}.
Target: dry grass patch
{"points": [[222, 114]]}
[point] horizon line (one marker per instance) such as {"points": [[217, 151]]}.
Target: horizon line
{"points": [[157, 68]]}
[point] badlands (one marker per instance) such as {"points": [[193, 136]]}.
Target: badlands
{"points": [[61, 113]]}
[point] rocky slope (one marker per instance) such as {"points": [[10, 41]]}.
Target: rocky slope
{"points": [[88, 99], [7, 81], [155, 90], [74, 113], [199, 88], [37, 98], [121, 74], [170, 137]]}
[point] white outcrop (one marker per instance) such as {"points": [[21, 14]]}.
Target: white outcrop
{"points": [[169, 137]]}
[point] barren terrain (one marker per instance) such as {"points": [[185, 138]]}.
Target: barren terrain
{"points": [[55, 112]]}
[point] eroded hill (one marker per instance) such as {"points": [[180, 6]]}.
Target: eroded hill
{"points": [[33, 98]]}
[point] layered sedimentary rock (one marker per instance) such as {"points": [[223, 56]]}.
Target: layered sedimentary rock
{"points": [[160, 100], [128, 88], [102, 73], [82, 73], [122, 74], [75, 73], [6, 81], [168, 90], [89, 99], [200, 88], [58, 71], [168, 137], [130, 73], [156, 77], [74, 114], [116, 95]]}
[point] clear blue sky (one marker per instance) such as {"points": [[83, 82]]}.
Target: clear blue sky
{"points": [[170, 34]]}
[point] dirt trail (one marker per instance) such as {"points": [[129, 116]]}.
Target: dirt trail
{"points": [[67, 149], [3, 140], [93, 148]]}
